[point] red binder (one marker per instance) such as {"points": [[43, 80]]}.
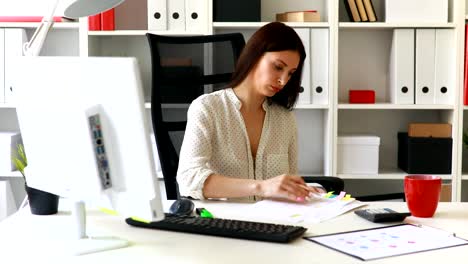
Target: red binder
{"points": [[94, 22], [107, 20], [465, 88]]}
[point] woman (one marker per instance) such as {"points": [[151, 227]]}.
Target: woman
{"points": [[241, 142]]}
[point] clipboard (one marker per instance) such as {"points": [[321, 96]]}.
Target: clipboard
{"points": [[388, 241]]}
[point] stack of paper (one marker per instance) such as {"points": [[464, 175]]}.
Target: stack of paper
{"points": [[317, 209]]}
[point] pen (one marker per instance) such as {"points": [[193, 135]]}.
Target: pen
{"points": [[202, 212]]}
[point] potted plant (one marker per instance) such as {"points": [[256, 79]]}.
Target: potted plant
{"points": [[40, 202]]}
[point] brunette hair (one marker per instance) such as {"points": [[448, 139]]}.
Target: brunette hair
{"points": [[274, 36]]}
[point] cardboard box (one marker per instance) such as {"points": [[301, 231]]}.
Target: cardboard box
{"points": [[358, 154], [299, 16], [437, 130], [446, 192]]}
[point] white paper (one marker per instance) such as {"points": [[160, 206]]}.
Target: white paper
{"points": [[315, 211], [389, 241]]}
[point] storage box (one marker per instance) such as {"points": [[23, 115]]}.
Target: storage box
{"points": [[425, 155], [437, 130], [299, 16], [236, 11], [358, 154], [421, 11], [361, 96]]}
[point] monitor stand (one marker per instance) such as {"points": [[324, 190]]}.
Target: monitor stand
{"points": [[86, 245]]}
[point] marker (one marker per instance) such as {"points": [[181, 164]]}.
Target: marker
{"points": [[202, 212]]}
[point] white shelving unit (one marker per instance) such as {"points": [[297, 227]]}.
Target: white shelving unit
{"points": [[359, 58]]}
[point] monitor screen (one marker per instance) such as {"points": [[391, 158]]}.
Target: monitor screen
{"points": [[85, 132]]}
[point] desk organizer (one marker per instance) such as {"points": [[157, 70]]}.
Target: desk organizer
{"points": [[425, 155]]}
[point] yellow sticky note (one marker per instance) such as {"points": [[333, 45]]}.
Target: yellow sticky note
{"points": [[328, 194]]}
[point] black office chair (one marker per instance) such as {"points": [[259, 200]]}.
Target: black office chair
{"points": [[184, 67]]}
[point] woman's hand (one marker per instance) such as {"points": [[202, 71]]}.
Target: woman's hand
{"points": [[285, 186]]}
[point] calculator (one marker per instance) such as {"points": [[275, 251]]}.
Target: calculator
{"points": [[380, 215]]}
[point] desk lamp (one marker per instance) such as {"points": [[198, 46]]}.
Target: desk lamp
{"points": [[79, 8]]}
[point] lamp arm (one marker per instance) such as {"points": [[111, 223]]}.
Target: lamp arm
{"points": [[34, 45]]}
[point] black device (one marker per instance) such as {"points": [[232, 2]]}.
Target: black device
{"points": [[380, 215], [183, 207], [225, 228]]}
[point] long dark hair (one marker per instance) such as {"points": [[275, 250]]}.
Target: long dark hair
{"points": [[274, 36]]}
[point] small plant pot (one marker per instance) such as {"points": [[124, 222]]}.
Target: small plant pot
{"points": [[41, 202]]}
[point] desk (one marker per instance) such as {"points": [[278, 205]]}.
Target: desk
{"points": [[25, 237]]}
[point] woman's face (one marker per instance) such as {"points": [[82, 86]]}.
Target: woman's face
{"points": [[273, 71]]}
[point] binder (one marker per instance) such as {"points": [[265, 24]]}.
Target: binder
{"points": [[362, 10], [465, 90], [196, 15], [176, 15], [425, 59], [14, 40], [370, 10], [444, 66], [401, 68], [352, 10], [319, 63], [305, 95], [108, 20], [2, 65], [94, 22], [157, 14]]}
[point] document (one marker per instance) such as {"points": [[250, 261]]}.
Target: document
{"points": [[381, 242], [316, 210]]}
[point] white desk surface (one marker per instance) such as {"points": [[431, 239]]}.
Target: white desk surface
{"points": [[30, 237]]}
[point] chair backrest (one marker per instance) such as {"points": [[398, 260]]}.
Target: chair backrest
{"points": [[183, 68]]}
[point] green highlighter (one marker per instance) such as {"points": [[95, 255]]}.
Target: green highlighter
{"points": [[202, 212]]}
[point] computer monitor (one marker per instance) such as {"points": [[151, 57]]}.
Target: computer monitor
{"points": [[86, 137]]}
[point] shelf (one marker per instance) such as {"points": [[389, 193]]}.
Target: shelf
{"points": [[169, 106], [464, 176], [141, 33], [57, 25], [465, 107], [254, 25], [7, 105], [386, 175], [383, 25], [11, 174], [310, 106], [395, 106]]}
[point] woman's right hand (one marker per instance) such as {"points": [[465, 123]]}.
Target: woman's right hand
{"points": [[290, 187]]}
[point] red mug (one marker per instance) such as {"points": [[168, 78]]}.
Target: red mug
{"points": [[422, 194]]}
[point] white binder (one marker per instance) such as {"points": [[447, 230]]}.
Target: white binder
{"points": [[196, 15], [319, 63], [157, 14], [305, 96], [7, 200], [444, 66], [425, 59], [176, 15], [2, 65], [14, 40], [401, 68]]}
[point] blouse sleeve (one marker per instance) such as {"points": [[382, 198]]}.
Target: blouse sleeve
{"points": [[293, 169], [195, 151]]}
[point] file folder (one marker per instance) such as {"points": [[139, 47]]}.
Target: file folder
{"points": [[14, 40], [2, 65], [176, 15], [319, 63], [157, 14], [305, 95], [196, 15], [444, 66], [425, 70], [401, 68]]}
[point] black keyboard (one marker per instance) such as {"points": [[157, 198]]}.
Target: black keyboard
{"points": [[225, 228]]}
